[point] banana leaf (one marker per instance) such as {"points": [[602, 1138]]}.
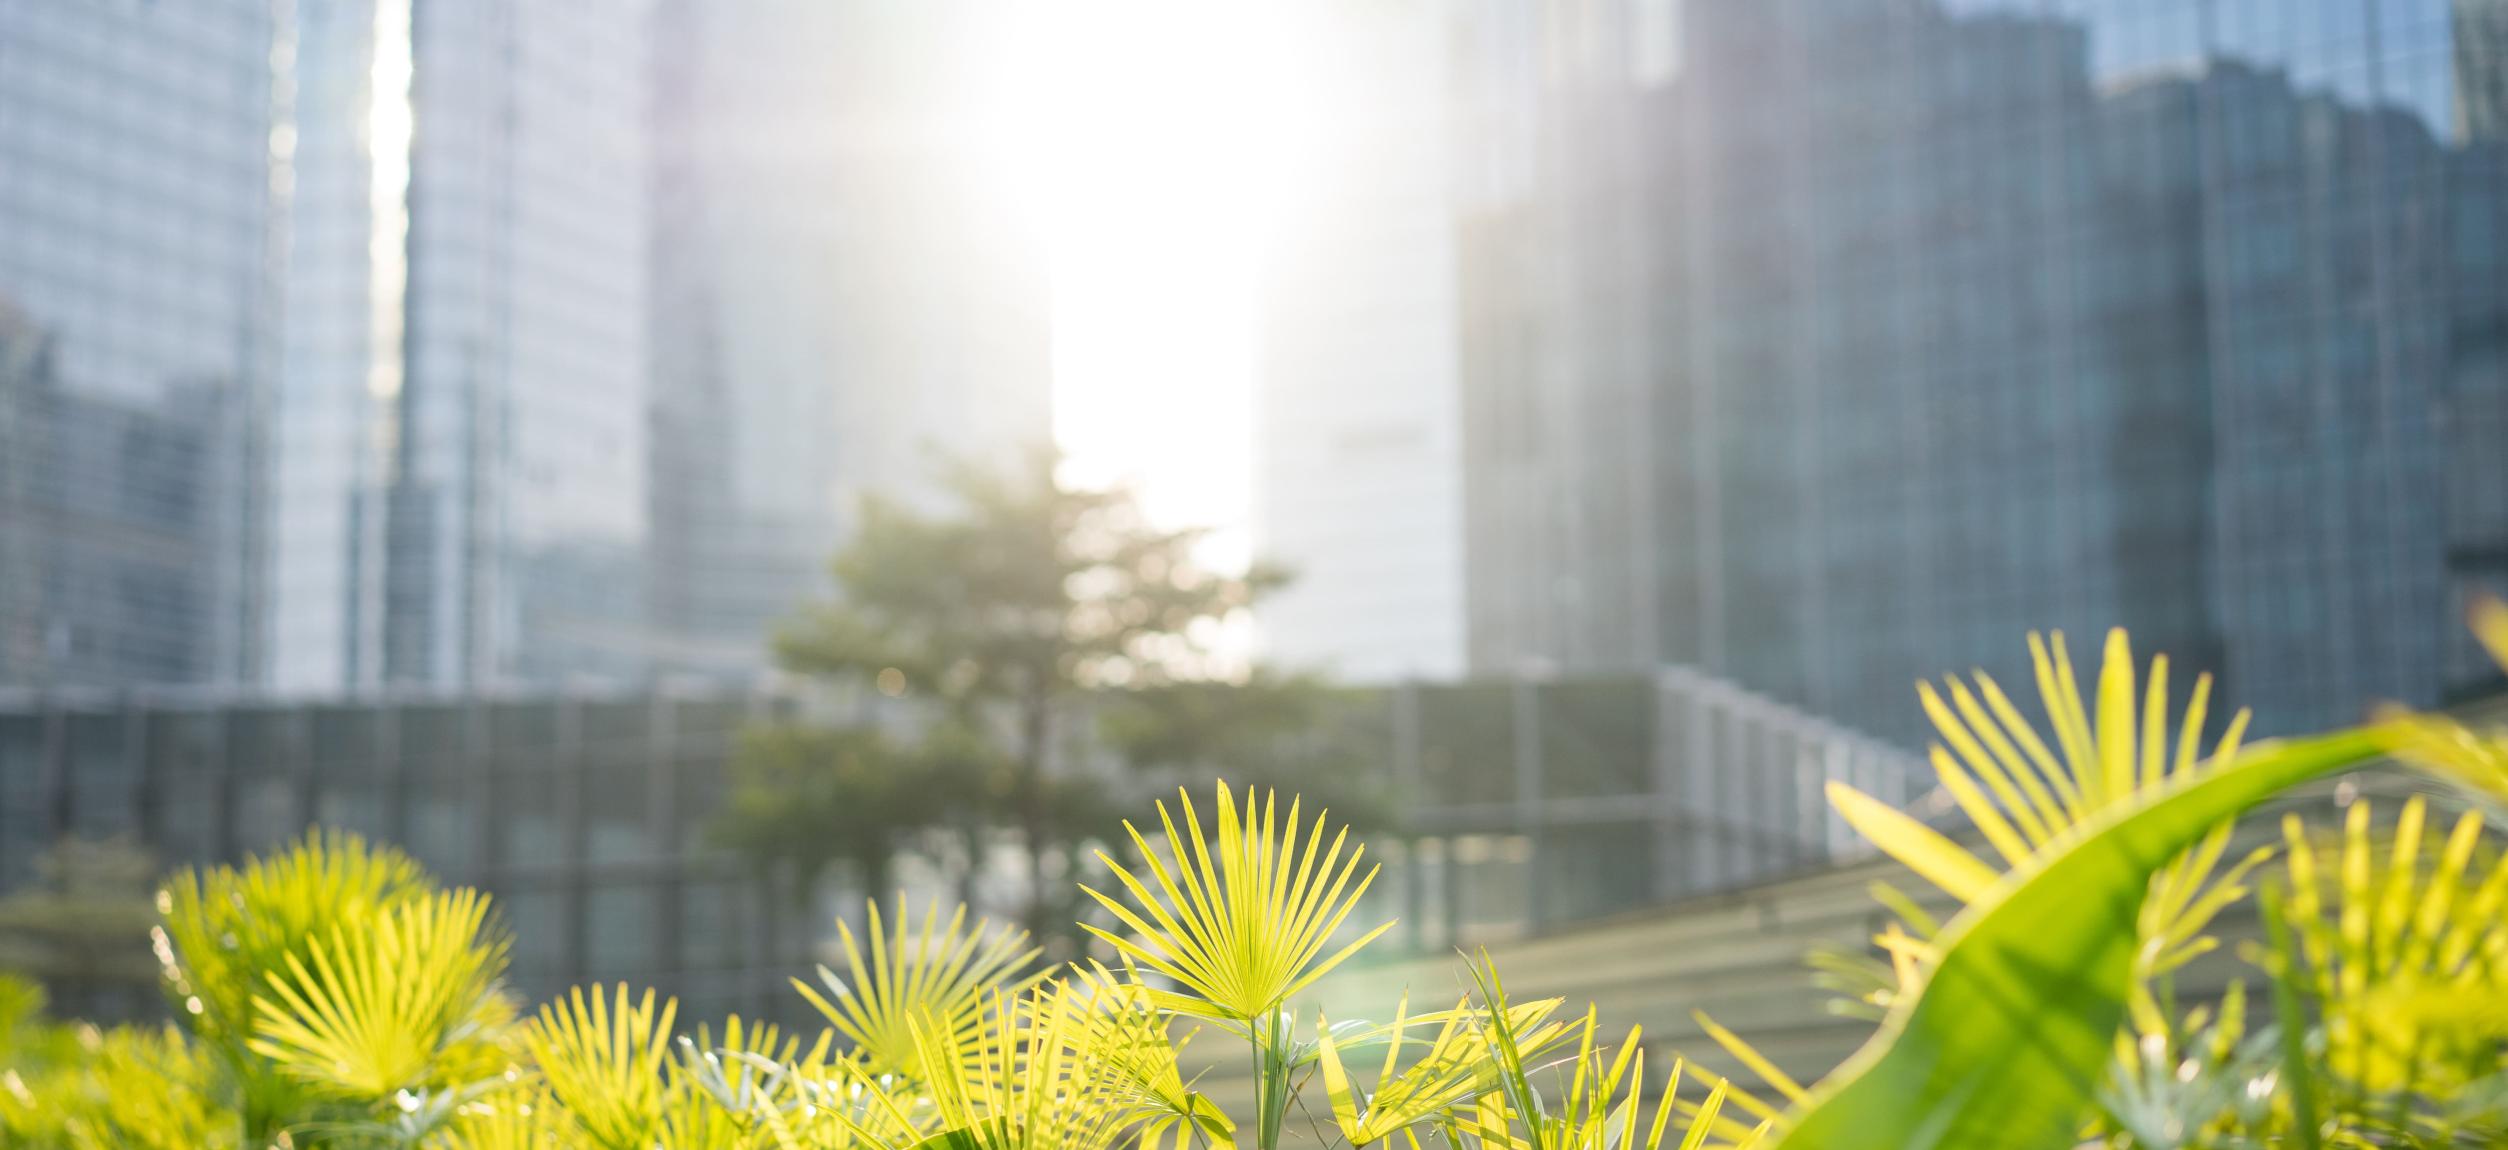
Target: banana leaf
{"points": [[2011, 1038]]}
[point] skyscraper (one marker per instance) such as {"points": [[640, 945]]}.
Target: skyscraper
{"points": [[844, 295], [116, 519], [1945, 322], [139, 338], [1359, 454], [1558, 151], [2478, 39], [459, 433], [2474, 406]]}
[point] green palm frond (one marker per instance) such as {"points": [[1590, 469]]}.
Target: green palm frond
{"points": [[376, 1008], [1495, 1123], [2410, 969], [1019, 1084], [1244, 929], [2028, 799], [1513, 1112], [2014, 1032], [226, 930], [1860, 985], [882, 1111], [2477, 759], [21, 1011], [927, 974], [130, 1088], [752, 1087], [603, 1062], [689, 1124], [2195, 1088], [1775, 1078], [1135, 1066], [520, 1118], [1456, 1064]]}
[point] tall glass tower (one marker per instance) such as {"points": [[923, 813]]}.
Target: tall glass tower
{"points": [[1837, 343], [460, 424], [138, 338], [843, 296], [1358, 458]]}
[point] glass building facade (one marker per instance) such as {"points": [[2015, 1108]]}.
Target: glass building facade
{"points": [[842, 296], [585, 815], [137, 339], [1358, 427], [116, 526], [1831, 344], [459, 478], [401, 247]]}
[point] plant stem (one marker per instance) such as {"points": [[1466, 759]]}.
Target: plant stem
{"points": [[1034, 719], [2294, 1026], [1270, 1080]]}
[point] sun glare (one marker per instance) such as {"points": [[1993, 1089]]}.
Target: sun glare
{"points": [[1148, 142]]}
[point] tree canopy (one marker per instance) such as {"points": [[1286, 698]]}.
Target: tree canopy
{"points": [[1047, 648]]}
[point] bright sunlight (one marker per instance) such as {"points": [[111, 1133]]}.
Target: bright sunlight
{"points": [[1149, 142]]}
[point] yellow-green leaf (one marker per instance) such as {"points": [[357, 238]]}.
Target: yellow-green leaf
{"points": [[2016, 1028]]}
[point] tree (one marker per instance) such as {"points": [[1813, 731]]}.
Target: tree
{"points": [[809, 798], [1269, 728], [1009, 618]]}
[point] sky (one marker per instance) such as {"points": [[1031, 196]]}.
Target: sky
{"points": [[1150, 141]]}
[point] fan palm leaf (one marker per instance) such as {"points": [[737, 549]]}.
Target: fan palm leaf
{"points": [[2028, 799], [1513, 1112], [1244, 927], [1019, 1084], [225, 930], [1457, 1064], [917, 973], [1976, 1058], [1136, 1065], [1608, 1115], [524, 1117], [2408, 967], [753, 1086], [134, 1088], [603, 1059], [378, 1008], [2477, 759]]}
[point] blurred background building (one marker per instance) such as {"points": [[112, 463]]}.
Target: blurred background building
{"points": [[551, 343], [138, 340], [458, 478], [842, 297], [117, 526], [1862, 337], [1359, 453]]}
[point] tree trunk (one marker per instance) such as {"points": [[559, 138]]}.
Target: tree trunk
{"points": [[970, 838], [876, 869]]}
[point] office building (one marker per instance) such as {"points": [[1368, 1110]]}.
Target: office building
{"points": [[2474, 406], [458, 488], [404, 248], [116, 526], [844, 295], [137, 330], [1358, 453], [1863, 337]]}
